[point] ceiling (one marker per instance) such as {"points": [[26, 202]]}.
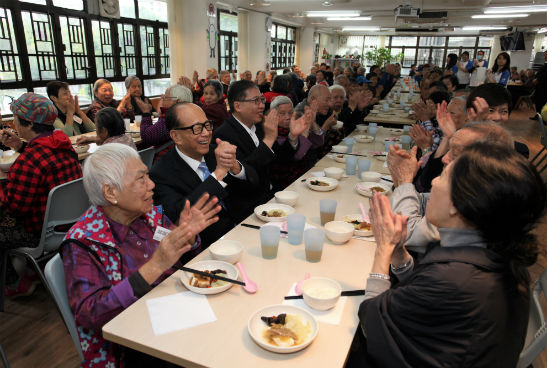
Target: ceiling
{"points": [[459, 14]]}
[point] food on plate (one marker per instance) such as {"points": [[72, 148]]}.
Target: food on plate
{"points": [[358, 225], [273, 213], [340, 156], [207, 281], [286, 330], [319, 183], [378, 189]]}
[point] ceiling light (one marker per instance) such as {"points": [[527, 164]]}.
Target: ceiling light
{"points": [[482, 28], [327, 3], [516, 9], [361, 29], [484, 16], [542, 30], [259, 3], [341, 13], [349, 18]]}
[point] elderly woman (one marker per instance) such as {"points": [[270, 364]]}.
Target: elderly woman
{"points": [[111, 257], [214, 104], [280, 87], [110, 129], [303, 134], [138, 103], [104, 97], [471, 291], [70, 118], [158, 134]]}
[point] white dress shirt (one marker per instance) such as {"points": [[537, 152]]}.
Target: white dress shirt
{"points": [[194, 164]]}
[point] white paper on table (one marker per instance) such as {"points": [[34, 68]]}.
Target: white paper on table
{"points": [[179, 311], [332, 316], [283, 226]]}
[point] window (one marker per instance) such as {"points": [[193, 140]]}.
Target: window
{"points": [[282, 46], [44, 40], [228, 40]]}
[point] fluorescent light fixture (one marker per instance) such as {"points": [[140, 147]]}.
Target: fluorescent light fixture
{"points": [[340, 13], [516, 9], [259, 3], [349, 18], [361, 29], [486, 16], [482, 28], [542, 30]]}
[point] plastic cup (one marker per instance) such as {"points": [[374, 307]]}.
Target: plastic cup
{"points": [[373, 125], [328, 207], [351, 162], [349, 142], [363, 165], [270, 237], [405, 141], [387, 146], [313, 244], [407, 128], [373, 131], [385, 106], [295, 228], [127, 123]]}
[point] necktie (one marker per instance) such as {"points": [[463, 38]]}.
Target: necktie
{"points": [[205, 171]]}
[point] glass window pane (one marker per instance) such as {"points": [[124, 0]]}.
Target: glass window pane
{"points": [[462, 41], [432, 41], [148, 50], [40, 2], [394, 52], [156, 87], [437, 57], [273, 31], [164, 51], [153, 10], [7, 96], [69, 4], [127, 8], [404, 41], [291, 34], [119, 89], [73, 35], [409, 57], [423, 55], [102, 45], [10, 70], [39, 37], [126, 41], [485, 41], [228, 22], [282, 32]]}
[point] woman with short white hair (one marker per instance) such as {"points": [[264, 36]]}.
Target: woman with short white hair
{"points": [[112, 257], [303, 134]]}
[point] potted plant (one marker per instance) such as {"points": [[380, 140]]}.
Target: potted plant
{"points": [[382, 56]]}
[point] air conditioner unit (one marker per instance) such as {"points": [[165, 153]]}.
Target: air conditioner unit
{"points": [[406, 11]]}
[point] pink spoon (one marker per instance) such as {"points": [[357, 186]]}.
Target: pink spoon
{"points": [[299, 286], [362, 208], [250, 286]]}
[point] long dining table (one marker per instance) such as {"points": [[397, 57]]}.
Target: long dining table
{"points": [[226, 341]]}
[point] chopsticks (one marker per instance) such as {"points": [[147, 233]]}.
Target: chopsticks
{"points": [[207, 274], [344, 293], [350, 154], [258, 227]]}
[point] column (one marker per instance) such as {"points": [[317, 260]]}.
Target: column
{"points": [[305, 48]]}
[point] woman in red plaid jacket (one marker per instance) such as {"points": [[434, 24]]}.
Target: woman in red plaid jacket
{"points": [[45, 160]]}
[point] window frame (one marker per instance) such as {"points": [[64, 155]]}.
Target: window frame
{"points": [[231, 36], [284, 46]]}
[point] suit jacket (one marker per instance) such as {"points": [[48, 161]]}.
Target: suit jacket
{"points": [[256, 161], [176, 182]]}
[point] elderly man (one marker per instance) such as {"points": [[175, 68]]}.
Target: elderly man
{"points": [[256, 145], [352, 111], [224, 77], [246, 75], [403, 168], [194, 167]]}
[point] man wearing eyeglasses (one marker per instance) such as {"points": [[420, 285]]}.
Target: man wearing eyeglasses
{"points": [[255, 142], [196, 166]]}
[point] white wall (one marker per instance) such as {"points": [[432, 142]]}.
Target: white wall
{"points": [[522, 59], [253, 42], [305, 48]]}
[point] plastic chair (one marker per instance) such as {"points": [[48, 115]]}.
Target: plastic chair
{"points": [[147, 156], [4, 358], [539, 161], [66, 203], [55, 275], [535, 341]]}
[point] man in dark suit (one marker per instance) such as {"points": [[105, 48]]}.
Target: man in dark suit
{"points": [[255, 142], [195, 166]]}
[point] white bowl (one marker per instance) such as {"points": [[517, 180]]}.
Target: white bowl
{"points": [[7, 158], [334, 172], [337, 125], [321, 293], [339, 149], [364, 138], [288, 197], [365, 188], [256, 327], [288, 210], [361, 128], [232, 273], [371, 176], [226, 250], [322, 188], [339, 231]]}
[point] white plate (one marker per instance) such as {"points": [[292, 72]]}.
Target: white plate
{"points": [[332, 184], [387, 180], [357, 216], [273, 206], [397, 131], [364, 138], [256, 327], [364, 188], [231, 273]]}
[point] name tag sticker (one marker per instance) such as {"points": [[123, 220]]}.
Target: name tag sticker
{"points": [[160, 233], [77, 119]]}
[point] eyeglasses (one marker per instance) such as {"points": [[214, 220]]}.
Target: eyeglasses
{"points": [[258, 100], [198, 128]]}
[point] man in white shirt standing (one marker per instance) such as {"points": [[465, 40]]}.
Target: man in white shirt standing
{"points": [[196, 166], [465, 65]]}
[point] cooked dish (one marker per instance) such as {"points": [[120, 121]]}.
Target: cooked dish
{"points": [[377, 189], [286, 330], [319, 183], [340, 156], [8, 159], [207, 281], [273, 213], [360, 225]]}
